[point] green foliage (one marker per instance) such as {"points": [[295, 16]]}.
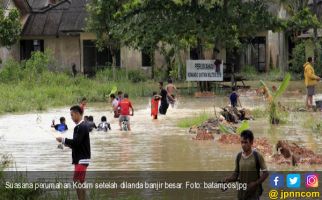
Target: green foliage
{"points": [[282, 88], [274, 116], [249, 72], [107, 75], [303, 19], [137, 76], [193, 121], [11, 71], [101, 21], [259, 113], [225, 129], [244, 126], [313, 123], [10, 27], [160, 74], [30, 86], [292, 6]]}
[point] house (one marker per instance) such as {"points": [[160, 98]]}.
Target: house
{"points": [[59, 25]]}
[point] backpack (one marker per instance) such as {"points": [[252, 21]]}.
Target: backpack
{"points": [[257, 167]]}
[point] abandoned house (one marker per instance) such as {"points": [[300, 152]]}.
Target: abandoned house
{"points": [[59, 25]]}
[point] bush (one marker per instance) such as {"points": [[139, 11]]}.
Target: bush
{"points": [[298, 58], [137, 76], [249, 72], [11, 71], [160, 74], [107, 74]]}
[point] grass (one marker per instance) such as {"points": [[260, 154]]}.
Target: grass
{"points": [[259, 113], [193, 121], [60, 90], [313, 123]]}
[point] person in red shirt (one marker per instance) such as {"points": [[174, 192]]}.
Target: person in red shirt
{"points": [[125, 105], [155, 105]]}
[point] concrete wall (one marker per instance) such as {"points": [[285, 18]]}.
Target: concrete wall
{"points": [[65, 49], [12, 52], [130, 58], [273, 48]]}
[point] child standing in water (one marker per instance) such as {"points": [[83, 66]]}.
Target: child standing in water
{"points": [[62, 127], [155, 105], [91, 124], [104, 126]]}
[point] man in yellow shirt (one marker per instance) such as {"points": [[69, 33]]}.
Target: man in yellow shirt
{"points": [[310, 81]]}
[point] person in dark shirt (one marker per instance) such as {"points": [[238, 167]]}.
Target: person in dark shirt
{"points": [[62, 127], [91, 124], [104, 126], [164, 99], [250, 168], [234, 98], [81, 148]]}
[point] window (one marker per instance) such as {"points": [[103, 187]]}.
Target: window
{"points": [[95, 59], [29, 46], [193, 54], [258, 58], [146, 59]]}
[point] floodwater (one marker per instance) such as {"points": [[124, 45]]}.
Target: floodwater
{"points": [[152, 145]]}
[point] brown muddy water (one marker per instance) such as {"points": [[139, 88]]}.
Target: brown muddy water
{"points": [[152, 145]]}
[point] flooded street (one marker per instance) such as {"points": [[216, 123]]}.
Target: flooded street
{"points": [[152, 145]]}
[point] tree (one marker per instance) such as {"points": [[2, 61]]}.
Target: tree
{"points": [[199, 23], [10, 27], [300, 18], [102, 21]]}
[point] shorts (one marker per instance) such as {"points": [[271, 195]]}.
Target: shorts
{"points": [[310, 90], [80, 173], [124, 118], [171, 101]]}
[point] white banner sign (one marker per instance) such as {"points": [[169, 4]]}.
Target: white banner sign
{"points": [[204, 70]]}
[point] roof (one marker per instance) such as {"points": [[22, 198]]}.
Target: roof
{"points": [[53, 20]]}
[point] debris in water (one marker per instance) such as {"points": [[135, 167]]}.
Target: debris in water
{"points": [[290, 152], [203, 135], [212, 126], [260, 144], [229, 139], [234, 115]]}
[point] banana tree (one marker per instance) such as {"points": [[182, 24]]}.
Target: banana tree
{"points": [[272, 97]]}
